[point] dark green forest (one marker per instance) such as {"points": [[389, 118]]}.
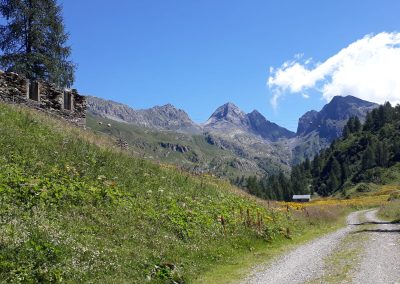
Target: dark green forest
{"points": [[361, 155]]}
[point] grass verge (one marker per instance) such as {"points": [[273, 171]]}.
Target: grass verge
{"points": [[309, 225], [390, 211]]}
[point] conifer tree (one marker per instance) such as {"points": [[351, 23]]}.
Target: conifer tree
{"points": [[346, 131], [34, 42], [357, 124], [382, 154], [368, 158], [332, 183], [335, 167]]}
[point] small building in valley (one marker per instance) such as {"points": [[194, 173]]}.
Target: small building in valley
{"points": [[301, 198]]}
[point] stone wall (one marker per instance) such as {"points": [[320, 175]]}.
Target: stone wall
{"points": [[67, 104]]}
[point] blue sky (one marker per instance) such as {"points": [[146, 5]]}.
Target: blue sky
{"points": [[198, 55]]}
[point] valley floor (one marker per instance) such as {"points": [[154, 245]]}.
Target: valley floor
{"points": [[367, 250]]}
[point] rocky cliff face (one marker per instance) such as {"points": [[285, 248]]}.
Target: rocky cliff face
{"points": [[165, 117], [329, 122], [316, 130], [227, 117], [229, 120], [266, 129]]}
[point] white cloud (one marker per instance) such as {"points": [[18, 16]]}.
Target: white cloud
{"points": [[368, 68]]}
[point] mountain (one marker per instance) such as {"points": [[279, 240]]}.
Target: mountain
{"points": [[366, 154], [227, 117], [229, 144], [230, 141], [165, 117], [316, 130], [229, 120], [329, 122], [197, 152], [266, 129]]}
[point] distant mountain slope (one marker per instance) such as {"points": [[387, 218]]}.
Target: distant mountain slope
{"points": [[165, 117], [229, 120], [316, 130], [368, 153], [329, 122], [257, 143], [266, 129], [203, 152]]}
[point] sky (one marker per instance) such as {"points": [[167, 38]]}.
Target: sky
{"points": [[282, 58]]}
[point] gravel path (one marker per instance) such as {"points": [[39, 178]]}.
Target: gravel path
{"points": [[381, 260], [305, 262]]}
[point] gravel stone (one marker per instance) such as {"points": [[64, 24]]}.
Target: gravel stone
{"points": [[381, 260], [304, 263]]}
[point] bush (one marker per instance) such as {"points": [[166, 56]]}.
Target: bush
{"points": [[362, 187]]}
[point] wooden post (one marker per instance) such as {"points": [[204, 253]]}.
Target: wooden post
{"points": [[223, 224], [258, 221], [248, 217]]}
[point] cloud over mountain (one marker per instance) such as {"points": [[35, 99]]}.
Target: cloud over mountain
{"points": [[368, 68]]}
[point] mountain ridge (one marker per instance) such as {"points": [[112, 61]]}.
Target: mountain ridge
{"points": [[340, 108], [227, 117], [248, 136], [166, 117]]}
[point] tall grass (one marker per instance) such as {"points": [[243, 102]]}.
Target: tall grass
{"points": [[391, 210], [74, 209]]}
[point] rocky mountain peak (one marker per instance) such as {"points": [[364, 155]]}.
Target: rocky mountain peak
{"points": [[228, 119], [228, 113], [329, 122], [266, 129], [344, 107]]}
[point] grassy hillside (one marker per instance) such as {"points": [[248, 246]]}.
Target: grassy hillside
{"points": [[73, 208], [221, 158]]}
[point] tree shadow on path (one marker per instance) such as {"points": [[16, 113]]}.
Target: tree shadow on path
{"points": [[377, 223], [377, 231]]}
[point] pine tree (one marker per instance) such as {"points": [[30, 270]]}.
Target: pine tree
{"points": [[298, 181], [382, 154], [368, 125], [368, 159], [34, 41], [316, 166], [357, 124], [346, 132], [285, 187], [396, 149], [332, 183], [345, 171], [307, 165], [335, 167]]}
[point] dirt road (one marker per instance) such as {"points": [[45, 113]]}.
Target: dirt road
{"points": [[366, 251]]}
